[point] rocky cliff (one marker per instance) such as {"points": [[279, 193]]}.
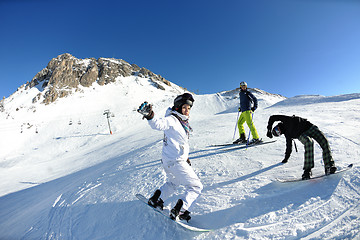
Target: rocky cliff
{"points": [[66, 73]]}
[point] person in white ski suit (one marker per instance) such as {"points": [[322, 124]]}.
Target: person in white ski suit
{"points": [[175, 157]]}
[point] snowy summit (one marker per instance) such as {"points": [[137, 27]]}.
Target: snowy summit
{"points": [[70, 166]]}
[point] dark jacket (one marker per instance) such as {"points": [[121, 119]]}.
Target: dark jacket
{"points": [[247, 99], [291, 127]]}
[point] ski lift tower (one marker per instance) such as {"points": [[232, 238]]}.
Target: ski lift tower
{"points": [[108, 115]]}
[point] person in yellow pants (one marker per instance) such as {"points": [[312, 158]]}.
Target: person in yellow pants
{"points": [[248, 104]]}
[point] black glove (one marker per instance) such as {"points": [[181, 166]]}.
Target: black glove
{"points": [[269, 134], [188, 161], [239, 109], [146, 110], [253, 109]]}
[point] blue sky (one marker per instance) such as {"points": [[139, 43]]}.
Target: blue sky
{"points": [[289, 47]]}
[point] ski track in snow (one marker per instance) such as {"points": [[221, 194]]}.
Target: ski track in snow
{"points": [[79, 182]]}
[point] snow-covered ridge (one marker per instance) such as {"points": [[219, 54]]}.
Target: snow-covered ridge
{"points": [[312, 99]]}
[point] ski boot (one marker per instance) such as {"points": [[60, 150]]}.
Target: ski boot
{"points": [[255, 141], [155, 201], [330, 170], [306, 175], [176, 210], [240, 140]]}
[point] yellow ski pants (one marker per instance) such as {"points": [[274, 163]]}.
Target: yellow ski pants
{"points": [[247, 117]]}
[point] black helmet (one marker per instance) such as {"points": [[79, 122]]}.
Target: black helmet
{"points": [[180, 100]]}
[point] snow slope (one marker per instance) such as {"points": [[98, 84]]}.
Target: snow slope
{"points": [[78, 181]]}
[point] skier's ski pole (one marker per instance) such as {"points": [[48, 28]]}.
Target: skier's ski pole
{"points": [[236, 124]]}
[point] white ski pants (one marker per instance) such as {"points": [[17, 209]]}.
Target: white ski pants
{"points": [[181, 173]]}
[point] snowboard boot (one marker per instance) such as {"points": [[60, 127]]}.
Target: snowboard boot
{"points": [[330, 170], [306, 175], [155, 201], [185, 216], [240, 140], [176, 210]]}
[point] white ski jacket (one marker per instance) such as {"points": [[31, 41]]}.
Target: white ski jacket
{"points": [[176, 141]]}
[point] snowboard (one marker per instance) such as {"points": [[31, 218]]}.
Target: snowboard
{"points": [[167, 215], [316, 177]]}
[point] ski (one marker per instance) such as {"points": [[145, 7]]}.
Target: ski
{"points": [[244, 146], [167, 215], [227, 144], [316, 177]]}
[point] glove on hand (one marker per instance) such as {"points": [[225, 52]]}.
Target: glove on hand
{"points": [[269, 134], [239, 109], [145, 109], [253, 109]]}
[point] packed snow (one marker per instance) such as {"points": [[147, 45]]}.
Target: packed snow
{"points": [[64, 176]]}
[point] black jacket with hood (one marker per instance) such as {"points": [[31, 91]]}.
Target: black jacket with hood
{"points": [[292, 127]]}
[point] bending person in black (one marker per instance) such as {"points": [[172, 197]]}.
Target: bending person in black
{"points": [[303, 130]]}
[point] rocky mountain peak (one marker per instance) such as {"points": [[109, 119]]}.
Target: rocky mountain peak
{"points": [[65, 73]]}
